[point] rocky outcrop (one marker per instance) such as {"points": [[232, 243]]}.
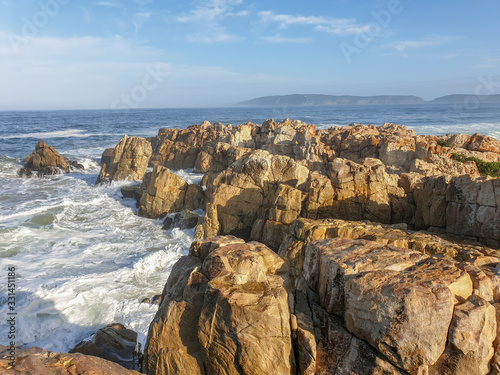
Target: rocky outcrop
{"points": [[462, 205], [45, 160], [386, 174], [128, 160], [38, 361], [163, 192], [114, 343], [354, 285], [243, 192], [352, 306], [224, 310]]}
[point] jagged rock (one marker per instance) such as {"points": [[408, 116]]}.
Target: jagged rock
{"points": [[134, 191], [163, 192], [223, 312], [107, 156], [42, 362], [338, 351], [183, 220], [195, 197], [45, 160], [329, 264], [470, 339], [215, 159], [361, 190], [115, 343], [245, 191], [483, 143], [405, 315], [129, 160]]}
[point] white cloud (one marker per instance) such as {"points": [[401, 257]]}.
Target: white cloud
{"points": [[207, 18], [140, 18], [213, 37], [281, 39], [108, 4], [214, 10], [422, 43], [143, 2], [339, 26]]}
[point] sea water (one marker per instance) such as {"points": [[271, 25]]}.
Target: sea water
{"points": [[83, 258]]}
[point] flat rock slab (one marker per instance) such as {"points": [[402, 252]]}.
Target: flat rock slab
{"points": [[399, 301], [42, 362]]}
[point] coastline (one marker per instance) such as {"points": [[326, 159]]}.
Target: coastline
{"points": [[291, 142]]}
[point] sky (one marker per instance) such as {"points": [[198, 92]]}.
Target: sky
{"points": [[69, 54]]}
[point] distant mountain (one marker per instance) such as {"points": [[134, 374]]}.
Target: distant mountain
{"points": [[460, 98], [326, 100]]}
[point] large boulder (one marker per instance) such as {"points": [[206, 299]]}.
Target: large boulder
{"points": [[128, 160], [45, 160], [224, 310], [406, 315], [470, 339], [163, 193]]}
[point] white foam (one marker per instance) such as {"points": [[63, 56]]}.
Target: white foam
{"points": [[84, 259], [189, 176]]}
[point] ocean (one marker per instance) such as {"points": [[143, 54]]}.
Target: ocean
{"points": [[82, 257]]}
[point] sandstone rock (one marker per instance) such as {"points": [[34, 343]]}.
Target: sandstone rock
{"points": [[340, 352], [214, 160], [194, 198], [245, 324], [361, 190], [163, 192], [227, 314], [247, 189], [45, 160], [114, 343], [129, 160], [42, 362], [172, 346], [495, 361], [470, 339], [483, 143], [405, 315], [107, 156], [329, 264], [324, 346]]}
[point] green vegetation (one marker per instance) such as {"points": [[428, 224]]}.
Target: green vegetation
{"points": [[443, 143], [485, 168]]}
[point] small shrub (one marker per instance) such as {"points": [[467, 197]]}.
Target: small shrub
{"points": [[488, 168], [443, 143]]}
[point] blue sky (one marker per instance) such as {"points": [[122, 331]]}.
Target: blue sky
{"points": [[64, 54]]}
